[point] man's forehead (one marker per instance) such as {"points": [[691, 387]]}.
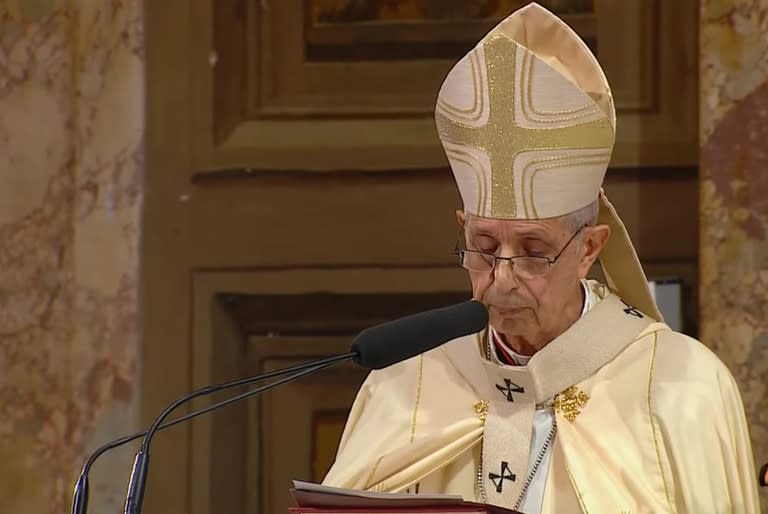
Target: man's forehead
{"points": [[543, 227]]}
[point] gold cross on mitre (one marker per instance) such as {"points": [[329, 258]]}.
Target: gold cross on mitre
{"points": [[522, 126]]}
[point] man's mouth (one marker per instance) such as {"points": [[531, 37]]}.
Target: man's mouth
{"points": [[508, 311]]}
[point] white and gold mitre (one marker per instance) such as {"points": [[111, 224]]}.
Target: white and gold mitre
{"points": [[527, 122]]}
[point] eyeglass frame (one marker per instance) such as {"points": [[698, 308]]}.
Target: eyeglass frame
{"points": [[459, 253]]}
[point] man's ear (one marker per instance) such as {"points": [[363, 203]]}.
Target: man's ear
{"points": [[593, 242], [460, 218]]}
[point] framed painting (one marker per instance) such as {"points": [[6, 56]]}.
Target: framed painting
{"points": [[359, 30]]}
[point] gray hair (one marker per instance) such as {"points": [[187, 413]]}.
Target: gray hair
{"points": [[586, 216]]}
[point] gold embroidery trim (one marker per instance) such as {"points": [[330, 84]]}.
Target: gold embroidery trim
{"points": [[477, 167], [653, 425], [418, 398], [376, 487], [576, 489], [475, 112], [529, 111], [570, 402], [481, 409], [554, 162]]}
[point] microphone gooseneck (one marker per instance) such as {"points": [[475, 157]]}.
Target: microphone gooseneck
{"points": [[81, 492], [138, 479]]}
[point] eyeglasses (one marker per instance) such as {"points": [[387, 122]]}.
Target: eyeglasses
{"points": [[524, 265]]}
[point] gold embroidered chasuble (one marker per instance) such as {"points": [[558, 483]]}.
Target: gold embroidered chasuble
{"points": [[648, 420]]}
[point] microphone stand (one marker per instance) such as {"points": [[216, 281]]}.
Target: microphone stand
{"points": [[137, 484], [81, 490]]}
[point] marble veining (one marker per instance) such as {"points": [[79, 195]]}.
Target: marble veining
{"points": [[734, 200], [71, 163]]}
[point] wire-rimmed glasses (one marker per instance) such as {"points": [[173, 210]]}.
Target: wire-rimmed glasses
{"points": [[524, 265]]}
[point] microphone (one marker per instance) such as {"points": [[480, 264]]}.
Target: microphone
{"points": [[374, 348], [386, 344]]}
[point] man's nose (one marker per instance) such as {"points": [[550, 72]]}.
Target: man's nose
{"points": [[505, 276]]}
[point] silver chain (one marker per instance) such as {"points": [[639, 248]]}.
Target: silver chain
{"points": [[534, 469]]}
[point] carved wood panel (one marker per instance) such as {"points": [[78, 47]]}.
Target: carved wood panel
{"points": [[364, 57], [287, 422], [348, 81]]}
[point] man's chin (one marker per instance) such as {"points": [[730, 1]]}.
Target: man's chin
{"points": [[511, 327]]}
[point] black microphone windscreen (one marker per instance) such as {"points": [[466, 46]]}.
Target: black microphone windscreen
{"points": [[386, 344]]}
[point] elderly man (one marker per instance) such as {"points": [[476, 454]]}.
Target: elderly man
{"points": [[577, 397]]}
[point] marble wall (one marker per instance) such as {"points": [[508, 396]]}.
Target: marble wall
{"points": [[734, 199], [71, 162]]}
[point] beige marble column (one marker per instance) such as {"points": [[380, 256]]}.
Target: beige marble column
{"points": [[734, 199], [71, 126]]}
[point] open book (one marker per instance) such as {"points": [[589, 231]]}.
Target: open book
{"points": [[312, 498]]}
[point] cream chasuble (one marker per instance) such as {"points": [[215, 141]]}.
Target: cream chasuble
{"points": [[648, 420]]}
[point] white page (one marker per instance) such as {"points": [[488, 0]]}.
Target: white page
{"points": [[324, 489]]}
